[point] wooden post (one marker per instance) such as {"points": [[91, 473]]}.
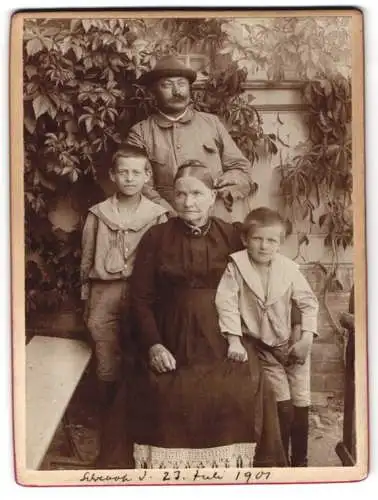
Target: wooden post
{"points": [[346, 449]]}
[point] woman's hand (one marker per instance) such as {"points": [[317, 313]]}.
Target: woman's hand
{"points": [[236, 350], [301, 349], [161, 360]]}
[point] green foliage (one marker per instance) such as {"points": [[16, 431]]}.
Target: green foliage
{"points": [[320, 177], [81, 96], [301, 48], [223, 94]]}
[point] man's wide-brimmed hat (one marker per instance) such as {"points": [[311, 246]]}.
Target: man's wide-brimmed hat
{"points": [[166, 67]]}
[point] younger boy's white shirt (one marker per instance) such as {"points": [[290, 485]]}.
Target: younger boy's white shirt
{"points": [[244, 309]]}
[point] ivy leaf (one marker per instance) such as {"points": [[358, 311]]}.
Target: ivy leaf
{"points": [[336, 285], [117, 137], [327, 87], [46, 183], [306, 212], [299, 28], [88, 63], [303, 239], [66, 170], [78, 51], [34, 46], [48, 43], [89, 124], [273, 148], [328, 240], [86, 24], [74, 176], [74, 24], [66, 45], [119, 46], [31, 70], [226, 50], [322, 219], [31, 88], [41, 104], [112, 24], [30, 123], [51, 32]]}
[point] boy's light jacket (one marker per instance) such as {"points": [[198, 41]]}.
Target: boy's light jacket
{"points": [[244, 310], [109, 242]]}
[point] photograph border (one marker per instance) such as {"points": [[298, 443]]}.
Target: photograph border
{"points": [[26, 476]]}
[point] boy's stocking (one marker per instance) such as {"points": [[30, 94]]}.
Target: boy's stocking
{"points": [[285, 416], [299, 437]]}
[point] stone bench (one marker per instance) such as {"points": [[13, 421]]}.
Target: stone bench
{"points": [[54, 367]]}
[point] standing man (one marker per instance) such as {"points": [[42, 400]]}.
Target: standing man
{"points": [[176, 133]]}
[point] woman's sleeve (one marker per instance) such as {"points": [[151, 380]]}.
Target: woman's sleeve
{"points": [[144, 291], [236, 243]]}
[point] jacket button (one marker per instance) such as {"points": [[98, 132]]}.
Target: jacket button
{"points": [[178, 146]]}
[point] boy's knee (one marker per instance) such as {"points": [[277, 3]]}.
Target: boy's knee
{"points": [[109, 361], [102, 329], [301, 395], [300, 387], [280, 386]]}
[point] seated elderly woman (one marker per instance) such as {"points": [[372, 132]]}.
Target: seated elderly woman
{"points": [[190, 405]]}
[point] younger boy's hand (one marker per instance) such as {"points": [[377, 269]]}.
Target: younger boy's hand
{"points": [[301, 349], [236, 350]]}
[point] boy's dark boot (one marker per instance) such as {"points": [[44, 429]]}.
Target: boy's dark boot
{"points": [[107, 391], [106, 395], [299, 437], [285, 416]]}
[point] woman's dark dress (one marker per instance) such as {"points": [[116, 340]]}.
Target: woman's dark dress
{"points": [[208, 400]]}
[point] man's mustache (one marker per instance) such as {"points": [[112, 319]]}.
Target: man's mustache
{"points": [[178, 98]]}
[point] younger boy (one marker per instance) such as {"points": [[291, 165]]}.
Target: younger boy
{"points": [[111, 234], [255, 299]]}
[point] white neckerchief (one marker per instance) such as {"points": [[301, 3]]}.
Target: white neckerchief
{"points": [[170, 118]]}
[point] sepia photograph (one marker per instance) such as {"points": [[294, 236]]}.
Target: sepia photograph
{"points": [[188, 247]]}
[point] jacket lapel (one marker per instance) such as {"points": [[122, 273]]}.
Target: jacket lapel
{"points": [[281, 276], [107, 212], [248, 273], [146, 212]]}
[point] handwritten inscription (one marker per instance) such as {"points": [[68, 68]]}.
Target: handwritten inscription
{"points": [[182, 475]]}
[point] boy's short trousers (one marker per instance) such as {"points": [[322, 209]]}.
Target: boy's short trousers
{"points": [[288, 382], [107, 307]]}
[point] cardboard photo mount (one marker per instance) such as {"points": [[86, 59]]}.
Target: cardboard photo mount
{"points": [[27, 369]]}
